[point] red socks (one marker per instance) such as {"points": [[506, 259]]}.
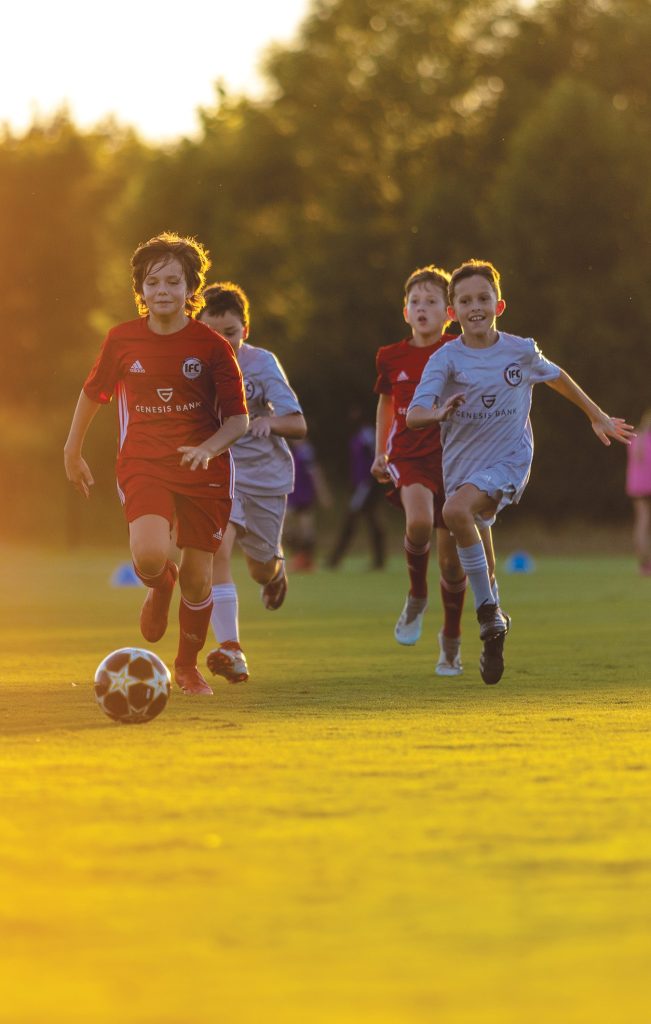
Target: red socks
{"points": [[417, 562], [194, 620], [452, 596]]}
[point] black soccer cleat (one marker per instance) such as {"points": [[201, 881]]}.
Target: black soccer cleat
{"points": [[492, 621], [491, 660]]}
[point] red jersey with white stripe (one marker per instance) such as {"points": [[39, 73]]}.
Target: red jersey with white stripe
{"points": [[399, 369], [171, 390]]}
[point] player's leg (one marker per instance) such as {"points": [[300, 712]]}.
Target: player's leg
{"points": [[149, 508], [202, 524], [418, 504], [370, 511], [262, 546], [453, 584], [642, 533], [227, 659], [461, 512], [195, 578]]}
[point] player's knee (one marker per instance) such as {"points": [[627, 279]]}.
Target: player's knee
{"points": [[419, 530], [150, 561], [450, 567], [263, 572], [195, 582]]}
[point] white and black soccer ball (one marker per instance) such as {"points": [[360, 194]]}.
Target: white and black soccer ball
{"points": [[132, 685]]}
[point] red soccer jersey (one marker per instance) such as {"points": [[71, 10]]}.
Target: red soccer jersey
{"points": [[172, 390], [399, 369]]}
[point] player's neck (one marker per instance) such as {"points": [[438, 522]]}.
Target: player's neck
{"points": [[167, 324], [420, 340], [480, 339]]}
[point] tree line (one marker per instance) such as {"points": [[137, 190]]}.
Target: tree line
{"points": [[393, 134]]}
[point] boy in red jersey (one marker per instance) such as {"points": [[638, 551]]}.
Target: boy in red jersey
{"points": [[181, 405], [411, 462]]}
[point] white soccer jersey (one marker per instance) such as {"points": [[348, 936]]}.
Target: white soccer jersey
{"points": [[488, 440], [264, 465]]}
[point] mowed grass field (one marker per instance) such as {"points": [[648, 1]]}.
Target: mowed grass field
{"points": [[346, 837]]}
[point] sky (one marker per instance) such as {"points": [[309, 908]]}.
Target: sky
{"points": [[111, 58]]}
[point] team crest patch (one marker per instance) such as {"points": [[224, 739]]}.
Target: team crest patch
{"points": [[488, 401], [513, 375], [192, 368], [164, 393], [249, 388]]}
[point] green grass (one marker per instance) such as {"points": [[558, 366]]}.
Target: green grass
{"points": [[345, 838]]}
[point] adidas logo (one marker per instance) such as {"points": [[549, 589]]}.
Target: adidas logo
{"points": [[136, 367], [402, 376], [218, 535]]}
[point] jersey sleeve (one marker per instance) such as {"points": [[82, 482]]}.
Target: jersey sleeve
{"points": [[429, 388], [104, 375], [277, 389], [227, 378], [541, 369], [382, 384]]}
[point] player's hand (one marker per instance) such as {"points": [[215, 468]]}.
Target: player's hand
{"points": [[260, 426], [78, 473], [195, 456], [450, 406], [606, 427], [379, 469]]}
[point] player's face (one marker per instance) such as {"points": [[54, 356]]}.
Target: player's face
{"points": [[228, 325], [165, 290], [426, 310], [476, 305]]}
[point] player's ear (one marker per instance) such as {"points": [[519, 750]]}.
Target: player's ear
{"points": [[500, 307], [451, 313], [245, 333], [405, 314]]}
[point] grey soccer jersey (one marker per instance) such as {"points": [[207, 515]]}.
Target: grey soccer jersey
{"points": [[264, 465], [488, 440]]}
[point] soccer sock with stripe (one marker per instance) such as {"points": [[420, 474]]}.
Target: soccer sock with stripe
{"points": [[224, 617], [473, 561], [160, 579], [417, 562], [194, 620], [452, 596]]}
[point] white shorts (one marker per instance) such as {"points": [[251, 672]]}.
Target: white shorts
{"points": [[258, 520], [504, 483]]}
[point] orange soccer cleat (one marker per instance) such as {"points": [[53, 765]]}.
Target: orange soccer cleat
{"points": [[190, 680]]}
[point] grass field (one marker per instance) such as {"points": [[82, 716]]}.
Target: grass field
{"points": [[345, 838]]}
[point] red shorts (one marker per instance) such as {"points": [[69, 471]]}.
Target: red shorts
{"points": [[428, 472], [200, 521]]}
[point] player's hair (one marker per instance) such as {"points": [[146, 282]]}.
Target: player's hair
{"points": [[158, 251], [226, 297], [428, 275], [470, 268]]}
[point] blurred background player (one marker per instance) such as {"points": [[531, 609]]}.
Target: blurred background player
{"points": [[365, 496], [180, 406], [410, 462], [310, 492], [638, 488], [264, 476]]}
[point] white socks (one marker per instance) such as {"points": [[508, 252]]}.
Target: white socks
{"points": [[473, 560], [224, 612]]}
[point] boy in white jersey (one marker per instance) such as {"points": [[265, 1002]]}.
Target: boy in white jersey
{"points": [[478, 388], [264, 476]]}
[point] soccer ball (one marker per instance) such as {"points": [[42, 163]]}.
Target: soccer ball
{"points": [[132, 685]]}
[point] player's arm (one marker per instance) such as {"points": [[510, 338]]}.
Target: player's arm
{"points": [[383, 421], [604, 426], [291, 425], [418, 416], [77, 469], [230, 431]]}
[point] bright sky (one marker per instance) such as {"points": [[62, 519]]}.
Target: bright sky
{"points": [[111, 57]]}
